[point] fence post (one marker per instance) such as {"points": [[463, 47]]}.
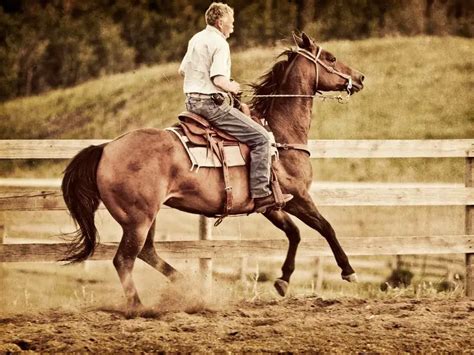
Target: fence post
{"points": [[243, 269], [205, 264], [469, 182], [319, 273], [3, 233], [3, 230]]}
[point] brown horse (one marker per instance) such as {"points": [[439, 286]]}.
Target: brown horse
{"points": [[141, 170]]}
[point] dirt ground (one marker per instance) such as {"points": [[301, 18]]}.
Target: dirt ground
{"points": [[290, 324]]}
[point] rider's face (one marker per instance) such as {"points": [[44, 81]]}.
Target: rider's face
{"points": [[226, 24]]}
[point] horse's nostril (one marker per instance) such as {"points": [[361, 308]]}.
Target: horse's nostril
{"points": [[362, 77]]}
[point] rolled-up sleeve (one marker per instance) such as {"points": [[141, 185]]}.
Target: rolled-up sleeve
{"points": [[221, 61]]}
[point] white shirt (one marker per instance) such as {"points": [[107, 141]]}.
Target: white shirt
{"points": [[207, 56]]}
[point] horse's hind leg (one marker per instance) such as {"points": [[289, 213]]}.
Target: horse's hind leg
{"points": [[134, 237], [281, 220], [148, 254], [304, 209]]}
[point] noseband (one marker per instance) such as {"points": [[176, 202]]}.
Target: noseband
{"points": [[315, 59]]}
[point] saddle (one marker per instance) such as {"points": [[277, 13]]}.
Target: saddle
{"points": [[201, 133]]}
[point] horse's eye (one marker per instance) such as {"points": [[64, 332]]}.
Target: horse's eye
{"points": [[332, 59]]}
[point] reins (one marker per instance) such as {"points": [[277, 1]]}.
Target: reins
{"points": [[318, 94]]}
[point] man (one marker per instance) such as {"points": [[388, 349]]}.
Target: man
{"points": [[206, 70]]}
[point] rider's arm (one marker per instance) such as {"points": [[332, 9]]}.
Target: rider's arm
{"points": [[219, 71], [225, 84]]}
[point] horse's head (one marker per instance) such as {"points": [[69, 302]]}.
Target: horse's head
{"points": [[329, 73]]}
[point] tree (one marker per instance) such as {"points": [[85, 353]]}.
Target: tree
{"points": [[306, 11]]}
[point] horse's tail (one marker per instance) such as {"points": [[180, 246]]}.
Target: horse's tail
{"points": [[80, 192]]}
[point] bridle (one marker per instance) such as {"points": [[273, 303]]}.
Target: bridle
{"points": [[317, 94], [315, 59]]}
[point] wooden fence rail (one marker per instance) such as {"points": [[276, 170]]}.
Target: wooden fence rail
{"points": [[209, 249], [51, 199], [432, 148]]}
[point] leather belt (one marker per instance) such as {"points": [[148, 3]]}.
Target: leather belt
{"points": [[197, 95]]}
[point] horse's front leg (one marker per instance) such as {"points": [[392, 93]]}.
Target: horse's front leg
{"points": [[281, 220], [304, 209]]}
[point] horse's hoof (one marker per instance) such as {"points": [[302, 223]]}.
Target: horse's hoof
{"points": [[134, 310], [133, 313], [281, 286], [350, 278]]}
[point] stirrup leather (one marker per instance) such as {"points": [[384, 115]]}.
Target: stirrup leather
{"points": [[276, 189]]}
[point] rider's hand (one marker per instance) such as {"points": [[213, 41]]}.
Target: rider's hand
{"points": [[234, 87], [226, 84]]}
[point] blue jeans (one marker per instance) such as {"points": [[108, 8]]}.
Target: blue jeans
{"points": [[244, 129]]}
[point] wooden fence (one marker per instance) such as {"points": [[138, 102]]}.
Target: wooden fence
{"points": [[206, 249]]}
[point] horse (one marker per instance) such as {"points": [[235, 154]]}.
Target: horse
{"points": [[138, 172]]}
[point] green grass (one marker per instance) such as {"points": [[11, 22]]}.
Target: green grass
{"points": [[416, 88]]}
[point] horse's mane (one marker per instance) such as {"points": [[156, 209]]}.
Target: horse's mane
{"points": [[269, 83]]}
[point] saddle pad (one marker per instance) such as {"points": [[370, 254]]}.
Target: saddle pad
{"points": [[202, 157]]}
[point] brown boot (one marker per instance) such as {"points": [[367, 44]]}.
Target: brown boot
{"points": [[262, 204]]}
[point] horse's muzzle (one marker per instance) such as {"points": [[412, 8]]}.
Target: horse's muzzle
{"points": [[356, 87], [357, 80]]}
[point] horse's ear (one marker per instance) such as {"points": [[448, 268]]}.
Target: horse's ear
{"points": [[307, 42], [298, 40]]}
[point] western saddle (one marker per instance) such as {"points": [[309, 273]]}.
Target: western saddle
{"points": [[200, 132]]}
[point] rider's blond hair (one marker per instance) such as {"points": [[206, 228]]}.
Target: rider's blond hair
{"points": [[216, 11]]}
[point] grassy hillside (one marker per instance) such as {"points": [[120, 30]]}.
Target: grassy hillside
{"points": [[416, 88]]}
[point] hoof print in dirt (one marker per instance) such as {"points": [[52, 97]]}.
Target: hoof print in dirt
{"points": [[281, 286]]}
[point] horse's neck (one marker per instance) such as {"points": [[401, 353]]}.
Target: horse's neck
{"points": [[290, 119]]}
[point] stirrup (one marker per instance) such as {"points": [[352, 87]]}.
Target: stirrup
{"points": [[276, 204], [219, 220]]}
